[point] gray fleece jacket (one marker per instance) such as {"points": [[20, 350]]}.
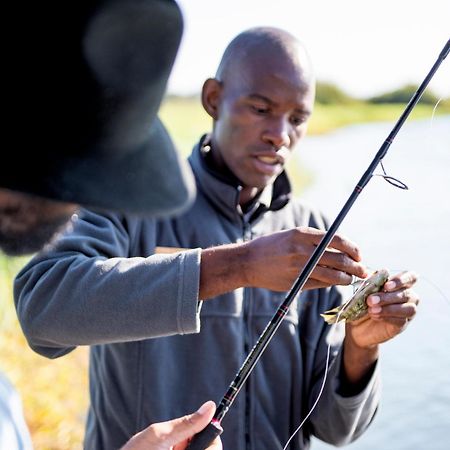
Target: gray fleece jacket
{"points": [[102, 285]]}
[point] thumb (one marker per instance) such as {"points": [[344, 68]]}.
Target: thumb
{"points": [[164, 435], [185, 427]]}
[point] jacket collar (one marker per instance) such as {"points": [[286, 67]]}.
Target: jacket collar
{"points": [[223, 192]]}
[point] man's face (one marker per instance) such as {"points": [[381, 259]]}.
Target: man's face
{"points": [[262, 114], [27, 222]]}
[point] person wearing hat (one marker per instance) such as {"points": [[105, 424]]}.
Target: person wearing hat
{"points": [[93, 138], [92, 135]]}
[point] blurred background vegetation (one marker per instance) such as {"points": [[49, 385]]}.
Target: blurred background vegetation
{"points": [[55, 392], [186, 119]]}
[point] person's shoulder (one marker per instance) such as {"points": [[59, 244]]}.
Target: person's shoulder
{"points": [[93, 215], [88, 221]]}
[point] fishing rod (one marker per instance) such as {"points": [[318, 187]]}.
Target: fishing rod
{"points": [[204, 438]]}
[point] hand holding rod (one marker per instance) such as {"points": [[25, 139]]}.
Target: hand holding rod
{"points": [[202, 439]]}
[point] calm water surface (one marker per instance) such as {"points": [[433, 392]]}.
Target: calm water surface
{"points": [[399, 230]]}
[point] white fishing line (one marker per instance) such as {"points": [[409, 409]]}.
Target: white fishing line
{"points": [[420, 278], [354, 284], [433, 114], [430, 129], [438, 289], [327, 364]]}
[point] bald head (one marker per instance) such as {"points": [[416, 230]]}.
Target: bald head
{"points": [[266, 45], [260, 102]]}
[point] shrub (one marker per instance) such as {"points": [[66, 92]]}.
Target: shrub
{"points": [[329, 93], [403, 95]]}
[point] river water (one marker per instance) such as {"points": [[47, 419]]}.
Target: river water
{"points": [[398, 230]]}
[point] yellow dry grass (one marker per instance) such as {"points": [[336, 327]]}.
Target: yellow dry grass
{"points": [[54, 392]]}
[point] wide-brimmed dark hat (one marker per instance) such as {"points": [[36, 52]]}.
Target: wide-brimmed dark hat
{"points": [[88, 80]]}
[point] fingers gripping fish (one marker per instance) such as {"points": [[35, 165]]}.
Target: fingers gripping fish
{"points": [[356, 306]]}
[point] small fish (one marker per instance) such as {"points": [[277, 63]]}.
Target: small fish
{"points": [[356, 307]]}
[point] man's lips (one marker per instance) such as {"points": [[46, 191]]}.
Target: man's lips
{"points": [[271, 162], [268, 159], [273, 157]]}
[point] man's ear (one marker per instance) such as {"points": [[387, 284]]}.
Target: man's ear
{"points": [[211, 93]]}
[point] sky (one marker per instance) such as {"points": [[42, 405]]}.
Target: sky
{"points": [[365, 47]]}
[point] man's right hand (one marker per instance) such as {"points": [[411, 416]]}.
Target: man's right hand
{"points": [[274, 261]]}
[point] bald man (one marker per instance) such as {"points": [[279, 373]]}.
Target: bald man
{"points": [[234, 255]]}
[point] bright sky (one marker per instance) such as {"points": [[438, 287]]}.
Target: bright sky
{"points": [[365, 46]]}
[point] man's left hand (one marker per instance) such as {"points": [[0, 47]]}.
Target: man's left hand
{"points": [[390, 312]]}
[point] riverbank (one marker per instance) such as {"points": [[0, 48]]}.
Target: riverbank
{"points": [[186, 120]]}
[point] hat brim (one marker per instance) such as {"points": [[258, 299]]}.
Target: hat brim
{"points": [[152, 180]]}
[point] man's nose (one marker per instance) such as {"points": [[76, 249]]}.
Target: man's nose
{"points": [[277, 133]]}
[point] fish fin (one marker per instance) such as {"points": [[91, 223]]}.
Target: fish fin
{"points": [[330, 318], [334, 310]]}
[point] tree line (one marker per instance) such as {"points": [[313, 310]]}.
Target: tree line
{"points": [[329, 93]]}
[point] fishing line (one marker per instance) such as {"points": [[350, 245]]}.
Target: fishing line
{"points": [[438, 289], [393, 180], [356, 282], [429, 281], [322, 387], [433, 114]]}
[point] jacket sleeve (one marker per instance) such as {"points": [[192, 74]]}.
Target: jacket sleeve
{"points": [[338, 419], [85, 289]]}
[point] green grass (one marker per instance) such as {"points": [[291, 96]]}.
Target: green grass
{"points": [[330, 117], [186, 121], [55, 392]]}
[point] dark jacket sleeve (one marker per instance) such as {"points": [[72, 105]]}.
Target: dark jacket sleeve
{"points": [[85, 289]]}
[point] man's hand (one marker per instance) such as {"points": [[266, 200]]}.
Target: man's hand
{"points": [[274, 262], [389, 313], [277, 260], [174, 434]]}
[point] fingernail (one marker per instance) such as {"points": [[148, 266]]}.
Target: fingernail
{"points": [[389, 285], [375, 309], [204, 408], [373, 299]]}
